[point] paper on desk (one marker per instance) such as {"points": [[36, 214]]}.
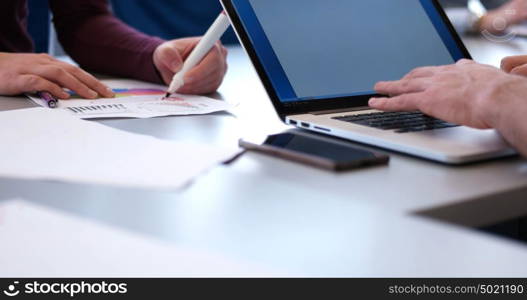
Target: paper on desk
{"points": [[41, 242], [136, 99], [40, 143]]}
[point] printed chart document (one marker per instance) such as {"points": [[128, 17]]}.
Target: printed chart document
{"points": [[41, 242], [41, 143], [136, 99]]}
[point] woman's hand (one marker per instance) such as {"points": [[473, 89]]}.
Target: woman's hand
{"points": [[23, 73]]}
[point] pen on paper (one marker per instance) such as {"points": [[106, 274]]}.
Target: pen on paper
{"points": [[51, 101]]}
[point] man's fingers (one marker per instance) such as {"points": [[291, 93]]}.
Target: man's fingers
{"points": [[63, 78], [209, 83], [424, 72], [512, 62], [207, 86], [520, 70], [224, 51], [171, 59], [89, 80], [404, 86], [431, 71], [203, 87], [33, 83], [213, 65], [201, 90], [407, 102]]}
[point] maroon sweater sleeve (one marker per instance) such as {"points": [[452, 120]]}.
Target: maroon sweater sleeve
{"points": [[99, 42]]}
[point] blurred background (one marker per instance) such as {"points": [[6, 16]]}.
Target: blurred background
{"points": [[171, 19], [168, 19]]}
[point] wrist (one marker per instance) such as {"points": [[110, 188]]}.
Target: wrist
{"points": [[507, 102]]}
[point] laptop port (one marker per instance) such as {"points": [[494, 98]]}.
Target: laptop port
{"points": [[293, 122], [305, 125], [322, 129]]}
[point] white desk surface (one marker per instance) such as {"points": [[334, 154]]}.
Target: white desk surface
{"points": [[311, 222]]}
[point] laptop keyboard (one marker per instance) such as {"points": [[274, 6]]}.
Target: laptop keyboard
{"points": [[401, 122]]}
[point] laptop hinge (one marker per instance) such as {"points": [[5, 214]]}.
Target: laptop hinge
{"points": [[336, 111]]}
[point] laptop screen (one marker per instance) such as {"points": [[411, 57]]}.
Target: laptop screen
{"points": [[314, 50]]}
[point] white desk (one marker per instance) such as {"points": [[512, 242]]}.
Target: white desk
{"points": [[304, 220]]}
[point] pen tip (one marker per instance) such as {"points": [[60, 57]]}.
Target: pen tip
{"points": [[167, 95]]}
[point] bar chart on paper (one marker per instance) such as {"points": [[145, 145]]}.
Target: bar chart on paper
{"points": [[134, 99]]}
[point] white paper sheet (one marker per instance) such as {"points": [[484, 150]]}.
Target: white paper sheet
{"points": [[41, 242], [40, 143], [136, 99]]}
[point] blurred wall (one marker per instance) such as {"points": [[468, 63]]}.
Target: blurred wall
{"points": [[171, 19], [38, 24]]}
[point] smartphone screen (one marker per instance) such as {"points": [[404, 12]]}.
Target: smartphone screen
{"points": [[332, 151]]}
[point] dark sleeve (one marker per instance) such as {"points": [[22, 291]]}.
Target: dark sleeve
{"points": [[99, 42]]}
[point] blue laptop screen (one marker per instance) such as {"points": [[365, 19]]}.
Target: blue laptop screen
{"points": [[313, 49]]}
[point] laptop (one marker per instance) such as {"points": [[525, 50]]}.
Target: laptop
{"points": [[319, 61]]}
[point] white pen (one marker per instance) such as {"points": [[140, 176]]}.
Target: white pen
{"points": [[216, 30]]}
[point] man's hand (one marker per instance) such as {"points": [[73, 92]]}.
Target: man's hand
{"points": [[466, 93], [515, 65], [22, 73], [205, 78], [498, 20]]}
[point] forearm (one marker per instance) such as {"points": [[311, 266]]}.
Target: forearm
{"points": [[98, 41]]}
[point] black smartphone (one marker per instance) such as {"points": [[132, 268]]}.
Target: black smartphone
{"points": [[316, 151]]}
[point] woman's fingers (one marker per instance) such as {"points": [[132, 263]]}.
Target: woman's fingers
{"points": [[89, 80], [34, 83], [63, 78], [70, 77], [28, 72]]}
